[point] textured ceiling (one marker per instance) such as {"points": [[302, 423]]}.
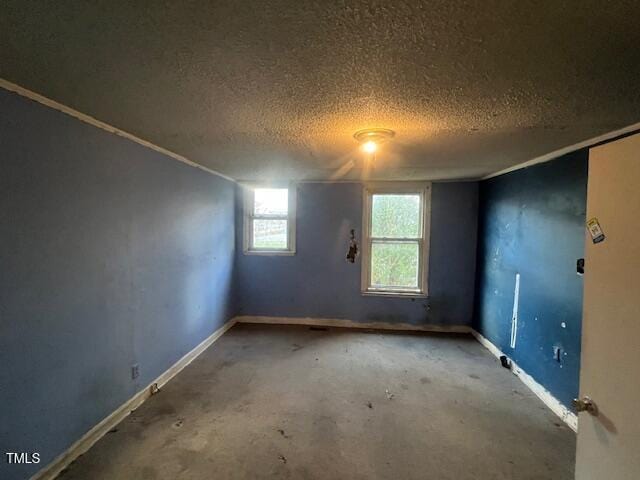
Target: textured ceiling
{"points": [[276, 89]]}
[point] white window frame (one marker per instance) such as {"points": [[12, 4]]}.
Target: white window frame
{"points": [[424, 190], [250, 216]]}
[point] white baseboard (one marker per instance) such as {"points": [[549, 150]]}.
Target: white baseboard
{"points": [[566, 415], [53, 469], [542, 393], [342, 323]]}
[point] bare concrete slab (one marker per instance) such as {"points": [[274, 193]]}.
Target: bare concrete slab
{"points": [[297, 403]]}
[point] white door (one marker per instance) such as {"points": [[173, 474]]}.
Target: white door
{"points": [[609, 442]]}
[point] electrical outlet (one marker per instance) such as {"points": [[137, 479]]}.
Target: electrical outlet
{"points": [[135, 371]]}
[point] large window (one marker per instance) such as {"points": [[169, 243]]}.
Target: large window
{"points": [[269, 221], [396, 239]]}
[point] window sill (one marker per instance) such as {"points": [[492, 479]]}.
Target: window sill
{"points": [[271, 253], [386, 293]]}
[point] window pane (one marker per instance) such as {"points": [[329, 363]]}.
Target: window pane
{"points": [[270, 234], [394, 265], [395, 216], [271, 201]]}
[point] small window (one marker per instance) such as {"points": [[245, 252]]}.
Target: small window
{"points": [[396, 237], [269, 221]]}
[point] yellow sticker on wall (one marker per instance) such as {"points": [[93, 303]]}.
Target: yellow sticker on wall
{"points": [[597, 235]]}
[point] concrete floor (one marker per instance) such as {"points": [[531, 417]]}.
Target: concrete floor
{"points": [[290, 402]]}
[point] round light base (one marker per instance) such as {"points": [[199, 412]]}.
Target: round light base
{"points": [[375, 135]]}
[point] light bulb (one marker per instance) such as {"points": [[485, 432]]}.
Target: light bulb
{"points": [[370, 146]]}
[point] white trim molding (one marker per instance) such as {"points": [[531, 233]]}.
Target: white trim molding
{"points": [[571, 148], [53, 469], [423, 189], [343, 323], [12, 87], [248, 217], [566, 415]]}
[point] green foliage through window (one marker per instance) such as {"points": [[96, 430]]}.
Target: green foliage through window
{"points": [[395, 216], [394, 265], [270, 234], [396, 232]]}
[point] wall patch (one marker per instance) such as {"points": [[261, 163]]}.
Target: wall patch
{"points": [[353, 247], [514, 316]]}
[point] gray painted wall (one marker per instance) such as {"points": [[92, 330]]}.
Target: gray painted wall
{"points": [[318, 282], [110, 254]]}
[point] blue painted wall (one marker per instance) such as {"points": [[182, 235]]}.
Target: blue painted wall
{"points": [[110, 254], [532, 222], [318, 282]]}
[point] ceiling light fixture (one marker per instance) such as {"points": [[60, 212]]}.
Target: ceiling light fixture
{"points": [[370, 146], [371, 138]]}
